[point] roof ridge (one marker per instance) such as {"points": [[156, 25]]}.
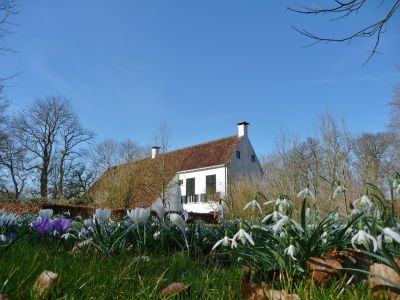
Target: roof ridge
{"points": [[204, 143], [180, 149]]}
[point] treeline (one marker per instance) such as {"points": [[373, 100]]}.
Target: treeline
{"points": [[45, 151], [332, 156], [335, 156]]}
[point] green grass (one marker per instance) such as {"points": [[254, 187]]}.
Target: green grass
{"points": [[125, 276], [120, 277]]}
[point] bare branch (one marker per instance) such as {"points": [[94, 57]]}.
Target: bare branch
{"points": [[344, 9]]}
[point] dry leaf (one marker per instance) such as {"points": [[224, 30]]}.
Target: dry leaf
{"points": [[145, 258], [81, 246], [323, 269], [280, 295], [4, 297], [44, 282], [254, 291], [173, 289], [384, 289]]}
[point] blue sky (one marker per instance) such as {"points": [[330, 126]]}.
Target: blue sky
{"points": [[200, 66]]}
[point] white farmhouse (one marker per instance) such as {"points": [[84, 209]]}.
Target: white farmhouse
{"points": [[202, 188], [195, 178]]}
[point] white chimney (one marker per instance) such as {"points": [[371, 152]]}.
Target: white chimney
{"points": [[242, 128], [154, 151]]}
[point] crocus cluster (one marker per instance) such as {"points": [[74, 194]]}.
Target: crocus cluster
{"points": [[45, 225]]}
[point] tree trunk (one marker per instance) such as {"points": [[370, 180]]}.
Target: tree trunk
{"points": [[60, 184], [44, 178]]}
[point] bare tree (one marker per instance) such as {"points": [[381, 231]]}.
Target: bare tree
{"points": [[336, 146], [72, 135], [342, 9], [375, 152], [13, 157], [163, 141], [395, 111], [129, 150], [79, 180], [38, 127], [7, 9], [105, 154], [109, 153]]}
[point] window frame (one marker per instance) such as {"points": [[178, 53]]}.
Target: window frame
{"points": [[212, 189], [189, 185]]}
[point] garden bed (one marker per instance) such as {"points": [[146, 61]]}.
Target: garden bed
{"points": [[86, 211]]}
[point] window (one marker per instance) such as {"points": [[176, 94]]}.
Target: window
{"points": [[253, 158], [190, 186], [211, 184], [238, 154]]}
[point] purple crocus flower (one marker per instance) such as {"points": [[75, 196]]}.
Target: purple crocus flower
{"points": [[62, 225], [12, 236], [42, 226]]}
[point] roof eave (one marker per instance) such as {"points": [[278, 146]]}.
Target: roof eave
{"points": [[201, 169]]}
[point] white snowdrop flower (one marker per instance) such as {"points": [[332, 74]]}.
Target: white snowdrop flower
{"points": [[339, 190], [275, 216], [307, 192], [311, 226], [349, 231], [291, 251], [254, 205], [388, 235], [243, 236], [377, 213], [226, 241], [102, 214], [233, 244], [67, 236], [355, 211], [139, 215], [159, 208], [281, 204], [3, 238], [157, 235], [364, 238], [364, 203], [46, 213], [178, 221], [278, 226], [335, 216], [283, 234], [324, 237], [185, 215]]}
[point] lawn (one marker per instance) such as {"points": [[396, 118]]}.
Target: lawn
{"points": [[126, 276], [91, 275]]}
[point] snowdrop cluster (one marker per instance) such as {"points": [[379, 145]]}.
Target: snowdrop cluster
{"points": [[7, 224]]}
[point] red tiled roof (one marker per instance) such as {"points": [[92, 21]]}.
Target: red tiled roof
{"points": [[146, 177]]}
